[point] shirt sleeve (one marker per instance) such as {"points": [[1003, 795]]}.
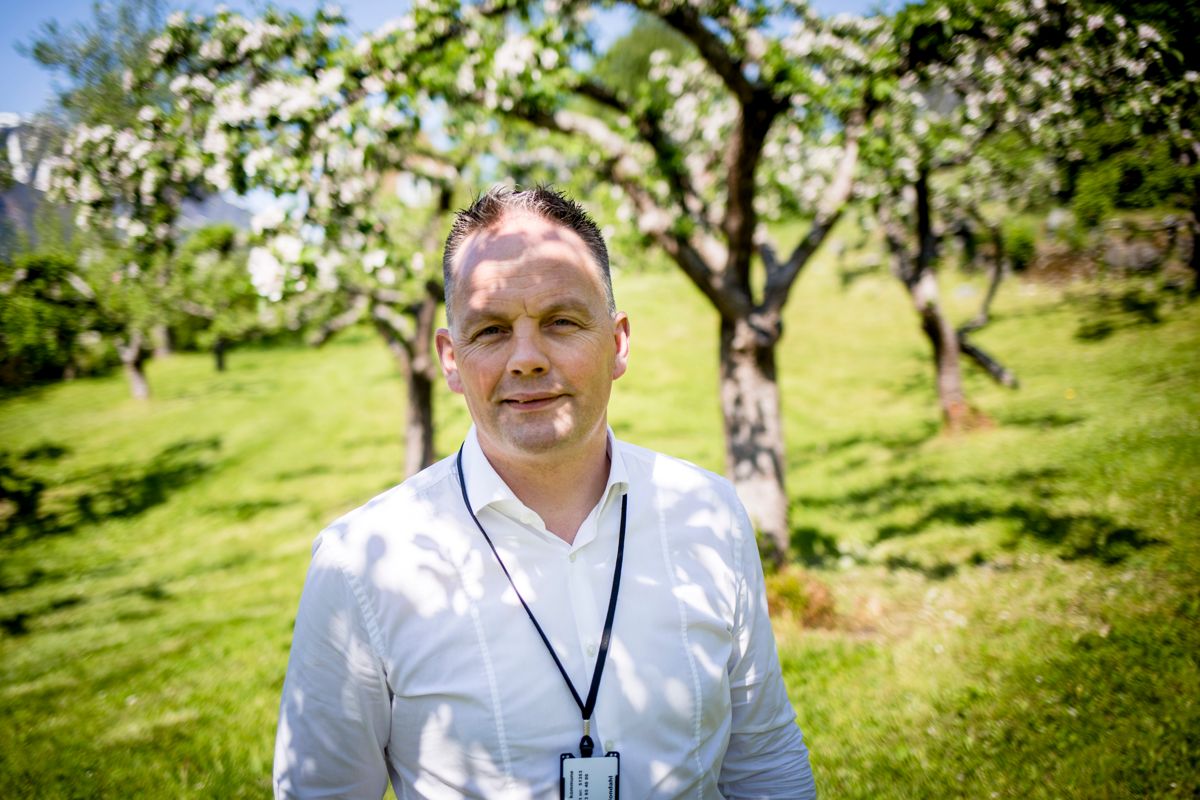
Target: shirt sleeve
{"points": [[334, 716], [766, 757]]}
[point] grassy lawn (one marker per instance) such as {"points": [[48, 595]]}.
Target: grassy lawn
{"points": [[1017, 609]]}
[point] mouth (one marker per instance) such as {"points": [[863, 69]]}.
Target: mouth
{"points": [[530, 402]]}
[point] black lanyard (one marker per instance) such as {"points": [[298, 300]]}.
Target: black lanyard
{"points": [[585, 707]]}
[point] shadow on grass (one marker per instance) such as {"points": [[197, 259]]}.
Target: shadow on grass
{"points": [[1107, 314], [1098, 710], [114, 491], [911, 489], [1049, 421], [898, 445], [1076, 535], [246, 509], [307, 472], [18, 624], [935, 572], [814, 547]]}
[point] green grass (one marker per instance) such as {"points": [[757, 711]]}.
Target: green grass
{"points": [[1017, 608]]}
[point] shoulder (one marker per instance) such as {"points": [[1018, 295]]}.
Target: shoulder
{"points": [[675, 476], [394, 521]]}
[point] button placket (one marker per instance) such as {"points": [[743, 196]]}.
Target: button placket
{"points": [[588, 617]]}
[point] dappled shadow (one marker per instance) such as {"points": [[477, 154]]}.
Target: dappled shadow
{"points": [[1108, 314], [1100, 704], [113, 491], [307, 472], [918, 383], [899, 490], [246, 509], [1077, 535], [850, 275], [814, 547], [18, 624], [1047, 421], [207, 389], [935, 572], [898, 444], [1020, 501]]}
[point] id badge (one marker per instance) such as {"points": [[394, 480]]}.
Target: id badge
{"points": [[589, 778]]}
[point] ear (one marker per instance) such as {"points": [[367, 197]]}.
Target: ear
{"points": [[621, 337], [445, 351]]}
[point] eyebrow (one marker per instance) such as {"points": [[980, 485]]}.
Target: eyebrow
{"points": [[556, 306]]}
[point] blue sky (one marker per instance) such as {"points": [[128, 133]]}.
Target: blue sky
{"points": [[25, 87]]}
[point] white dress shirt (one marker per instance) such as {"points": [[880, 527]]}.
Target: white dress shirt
{"points": [[412, 657]]}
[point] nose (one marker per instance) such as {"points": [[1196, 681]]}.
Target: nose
{"points": [[528, 353]]}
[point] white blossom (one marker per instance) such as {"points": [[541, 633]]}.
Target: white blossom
{"points": [[514, 56], [373, 260], [266, 273], [287, 247]]}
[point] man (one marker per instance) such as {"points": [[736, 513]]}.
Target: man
{"points": [[550, 610]]}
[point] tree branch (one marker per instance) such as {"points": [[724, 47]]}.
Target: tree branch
{"points": [[781, 277], [396, 328], [714, 52], [667, 153], [999, 373], [196, 310], [625, 169], [340, 322]]}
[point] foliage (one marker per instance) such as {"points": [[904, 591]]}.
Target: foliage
{"points": [[211, 286], [49, 319], [1095, 194], [1116, 172], [1019, 236], [93, 56]]}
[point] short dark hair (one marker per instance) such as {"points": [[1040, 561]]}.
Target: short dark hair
{"points": [[543, 201]]}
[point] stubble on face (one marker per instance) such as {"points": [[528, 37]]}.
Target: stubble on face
{"points": [[534, 348]]}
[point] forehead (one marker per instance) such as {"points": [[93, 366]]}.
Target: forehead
{"points": [[526, 252]]}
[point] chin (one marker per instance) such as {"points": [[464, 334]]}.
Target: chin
{"points": [[538, 439]]}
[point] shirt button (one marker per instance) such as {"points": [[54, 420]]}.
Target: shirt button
{"points": [[571, 557], [610, 745], [591, 649]]}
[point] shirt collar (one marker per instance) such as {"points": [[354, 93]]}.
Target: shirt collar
{"points": [[486, 488]]}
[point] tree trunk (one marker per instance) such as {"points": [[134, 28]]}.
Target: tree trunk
{"points": [[418, 423], [416, 363], [957, 414], [133, 359], [754, 447], [219, 348], [921, 281], [996, 271], [161, 335]]}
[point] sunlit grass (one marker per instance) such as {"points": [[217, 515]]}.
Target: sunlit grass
{"points": [[1017, 608]]}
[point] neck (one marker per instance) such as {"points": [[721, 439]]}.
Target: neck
{"points": [[561, 490]]}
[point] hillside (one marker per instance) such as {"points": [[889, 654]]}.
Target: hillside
{"points": [[1016, 610]]}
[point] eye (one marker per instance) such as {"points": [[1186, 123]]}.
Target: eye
{"points": [[490, 330], [562, 322]]}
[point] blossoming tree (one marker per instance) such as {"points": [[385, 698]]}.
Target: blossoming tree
{"points": [[289, 107], [973, 79], [760, 120], [760, 117]]}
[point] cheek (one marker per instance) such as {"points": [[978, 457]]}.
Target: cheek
{"points": [[479, 372]]}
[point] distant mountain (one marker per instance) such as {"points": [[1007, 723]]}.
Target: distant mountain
{"points": [[28, 144], [214, 208]]}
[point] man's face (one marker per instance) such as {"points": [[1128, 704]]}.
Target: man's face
{"points": [[533, 348]]}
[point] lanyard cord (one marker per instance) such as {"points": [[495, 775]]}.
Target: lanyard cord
{"points": [[585, 707]]}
